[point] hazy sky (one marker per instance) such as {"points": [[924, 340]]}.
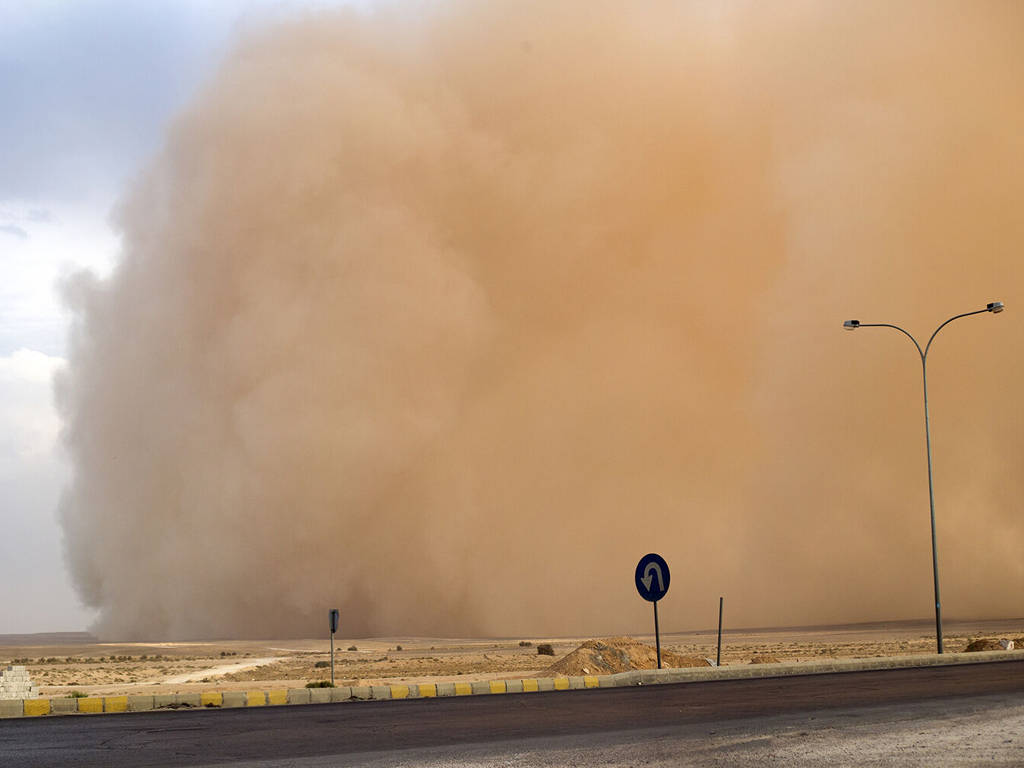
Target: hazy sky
{"points": [[86, 91]]}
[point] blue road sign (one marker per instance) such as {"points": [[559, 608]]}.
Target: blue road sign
{"points": [[652, 577]]}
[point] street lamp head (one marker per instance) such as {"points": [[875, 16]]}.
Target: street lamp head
{"points": [[995, 307], [852, 325]]}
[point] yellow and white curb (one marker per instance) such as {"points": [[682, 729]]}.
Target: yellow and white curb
{"points": [[290, 696]]}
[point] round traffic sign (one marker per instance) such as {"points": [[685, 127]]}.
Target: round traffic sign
{"points": [[652, 577]]}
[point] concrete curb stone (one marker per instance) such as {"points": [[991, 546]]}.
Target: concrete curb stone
{"points": [[341, 693], [233, 699], [62, 706], [319, 695], [140, 703], [299, 696], [137, 703], [12, 708]]}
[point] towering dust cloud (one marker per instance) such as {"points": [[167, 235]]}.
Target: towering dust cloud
{"points": [[446, 313]]}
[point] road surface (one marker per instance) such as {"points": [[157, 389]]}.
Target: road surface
{"points": [[595, 723]]}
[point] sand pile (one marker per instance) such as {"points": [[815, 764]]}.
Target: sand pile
{"points": [[618, 654]]}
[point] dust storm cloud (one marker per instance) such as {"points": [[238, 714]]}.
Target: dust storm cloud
{"points": [[445, 313]]}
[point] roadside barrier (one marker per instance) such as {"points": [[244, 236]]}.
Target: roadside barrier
{"points": [[90, 705]]}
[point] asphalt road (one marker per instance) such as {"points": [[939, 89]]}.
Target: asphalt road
{"points": [[245, 736]]}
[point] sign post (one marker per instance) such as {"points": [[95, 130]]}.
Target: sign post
{"points": [[334, 628], [718, 657], [652, 578]]}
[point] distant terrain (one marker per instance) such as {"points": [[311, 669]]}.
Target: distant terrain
{"points": [[63, 663], [49, 638]]}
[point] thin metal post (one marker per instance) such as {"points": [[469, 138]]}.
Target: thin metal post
{"points": [[332, 659], [718, 656], [657, 634], [931, 506]]}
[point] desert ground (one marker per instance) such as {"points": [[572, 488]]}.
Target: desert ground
{"points": [[86, 667]]}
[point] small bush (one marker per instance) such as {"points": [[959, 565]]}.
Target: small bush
{"points": [[322, 664], [352, 648], [76, 695], [525, 644], [545, 649], [398, 647], [320, 684]]}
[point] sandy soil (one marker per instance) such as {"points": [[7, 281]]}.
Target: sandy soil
{"points": [[126, 668]]}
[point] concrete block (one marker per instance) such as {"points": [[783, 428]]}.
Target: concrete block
{"points": [[530, 685], [255, 699], [12, 708], [115, 703], [211, 699], [320, 695], [341, 693], [446, 689], [606, 681], [361, 692], [427, 690], [480, 687], [298, 696], [191, 700], [545, 684], [37, 707], [576, 682], [463, 689], [498, 686], [561, 683], [380, 691], [277, 698], [513, 686], [91, 705], [399, 692], [623, 679], [233, 699], [163, 700], [63, 706], [590, 681], [140, 703]]}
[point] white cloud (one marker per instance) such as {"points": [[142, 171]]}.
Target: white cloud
{"points": [[58, 239], [29, 425]]}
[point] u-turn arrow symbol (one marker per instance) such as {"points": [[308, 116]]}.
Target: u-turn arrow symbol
{"points": [[648, 577]]}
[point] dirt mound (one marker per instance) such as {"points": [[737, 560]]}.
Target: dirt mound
{"points": [[764, 658], [983, 644], [618, 654]]}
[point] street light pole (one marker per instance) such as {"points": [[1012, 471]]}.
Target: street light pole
{"points": [[994, 307]]}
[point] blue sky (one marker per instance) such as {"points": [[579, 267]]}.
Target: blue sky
{"points": [[86, 90]]}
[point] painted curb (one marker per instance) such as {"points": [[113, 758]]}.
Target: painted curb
{"points": [[88, 705]]}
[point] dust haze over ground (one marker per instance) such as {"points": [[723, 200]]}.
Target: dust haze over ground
{"points": [[446, 313]]}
